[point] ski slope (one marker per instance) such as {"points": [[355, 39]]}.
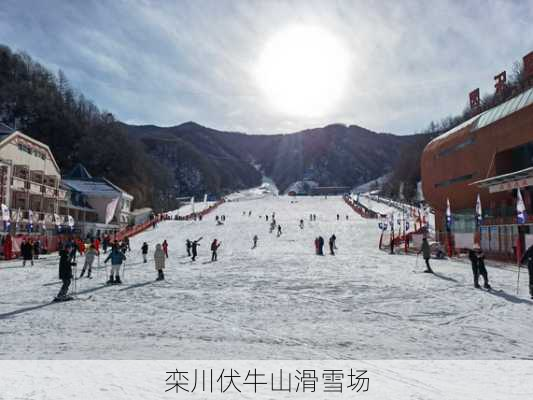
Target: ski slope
{"points": [[279, 301]]}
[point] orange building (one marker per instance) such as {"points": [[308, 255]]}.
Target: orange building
{"points": [[491, 155]]}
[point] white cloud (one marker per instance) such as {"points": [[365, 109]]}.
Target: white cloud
{"points": [[166, 62]]}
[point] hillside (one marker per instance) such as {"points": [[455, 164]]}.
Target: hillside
{"points": [[224, 161]]}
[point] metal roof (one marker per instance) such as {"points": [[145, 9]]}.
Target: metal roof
{"points": [[492, 115], [504, 178], [94, 186], [503, 110], [457, 128], [5, 129]]}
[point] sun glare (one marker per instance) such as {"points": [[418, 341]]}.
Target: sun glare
{"points": [[303, 71]]}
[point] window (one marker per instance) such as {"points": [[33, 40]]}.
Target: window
{"points": [[454, 148], [453, 181]]}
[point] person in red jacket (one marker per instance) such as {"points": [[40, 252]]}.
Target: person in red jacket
{"points": [[8, 247], [165, 248], [96, 245]]}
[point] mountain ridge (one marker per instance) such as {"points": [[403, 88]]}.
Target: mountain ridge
{"points": [[335, 154]]}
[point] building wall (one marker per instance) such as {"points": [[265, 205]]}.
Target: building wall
{"points": [[37, 157], [450, 164]]}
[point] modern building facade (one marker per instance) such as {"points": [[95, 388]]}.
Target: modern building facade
{"points": [[490, 155]]}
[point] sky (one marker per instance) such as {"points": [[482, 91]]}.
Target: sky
{"points": [[404, 63]]}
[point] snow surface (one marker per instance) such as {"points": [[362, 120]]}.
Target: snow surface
{"points": [[279, 301]]}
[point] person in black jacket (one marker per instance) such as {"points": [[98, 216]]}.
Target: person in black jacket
{"points": [[332, 246], [65, 274], [320, 246], [528, 258], [194, 249], [477, 258], [26, 250], [144, 250]]}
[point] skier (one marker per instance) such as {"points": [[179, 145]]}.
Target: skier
{"points": [[194, 249], [279, 230], [317, 246], [249, 213], [26, 250], [255, 241], [477, 258], [266, 217], [105, 244], [73, 248], [116, 257], [332, 246], [96, 245], [144, 250], [127, 243], [528, 258], [188, 245], [310, 217], [36, 249], [65, 274], [8, 247], [90, 255], [159, 259], [301, 224], [320, 246], [426, 254], [165, 248], [338, 217], [214, 247]]}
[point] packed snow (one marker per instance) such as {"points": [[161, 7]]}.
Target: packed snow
{"points": [[278, 301]]}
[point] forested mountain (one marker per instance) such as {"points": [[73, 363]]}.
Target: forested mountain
{"points": [[223, 161]]}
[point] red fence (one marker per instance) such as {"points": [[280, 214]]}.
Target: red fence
{"points": [[360, 209], [206, 211]]}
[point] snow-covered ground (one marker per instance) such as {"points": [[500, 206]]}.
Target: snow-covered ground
{"points": [[279, 301]]}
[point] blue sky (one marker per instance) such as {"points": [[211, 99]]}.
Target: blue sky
{"points": [[168, 62]]}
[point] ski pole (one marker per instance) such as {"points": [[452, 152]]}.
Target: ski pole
{"points": [[75, 280], [518, 280], [416, 267]]}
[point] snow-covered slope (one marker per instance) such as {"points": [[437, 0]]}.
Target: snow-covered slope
{"points": [[279, 301]]}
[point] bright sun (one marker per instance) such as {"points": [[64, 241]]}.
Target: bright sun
{"points": [[303, 71]]}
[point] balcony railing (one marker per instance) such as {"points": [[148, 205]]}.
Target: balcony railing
{"points": [[18, 183]]}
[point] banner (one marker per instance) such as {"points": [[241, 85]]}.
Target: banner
{"points": [[110, 210], [521, 214], [5, 213], [57, 220], [479, 211], [70, 221], [30, 220]]}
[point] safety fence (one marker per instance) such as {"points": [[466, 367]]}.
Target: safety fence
{"points": [[200, 214], [360, 209]]}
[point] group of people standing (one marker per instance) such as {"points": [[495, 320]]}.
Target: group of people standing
{"points": [[319, 245]]}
